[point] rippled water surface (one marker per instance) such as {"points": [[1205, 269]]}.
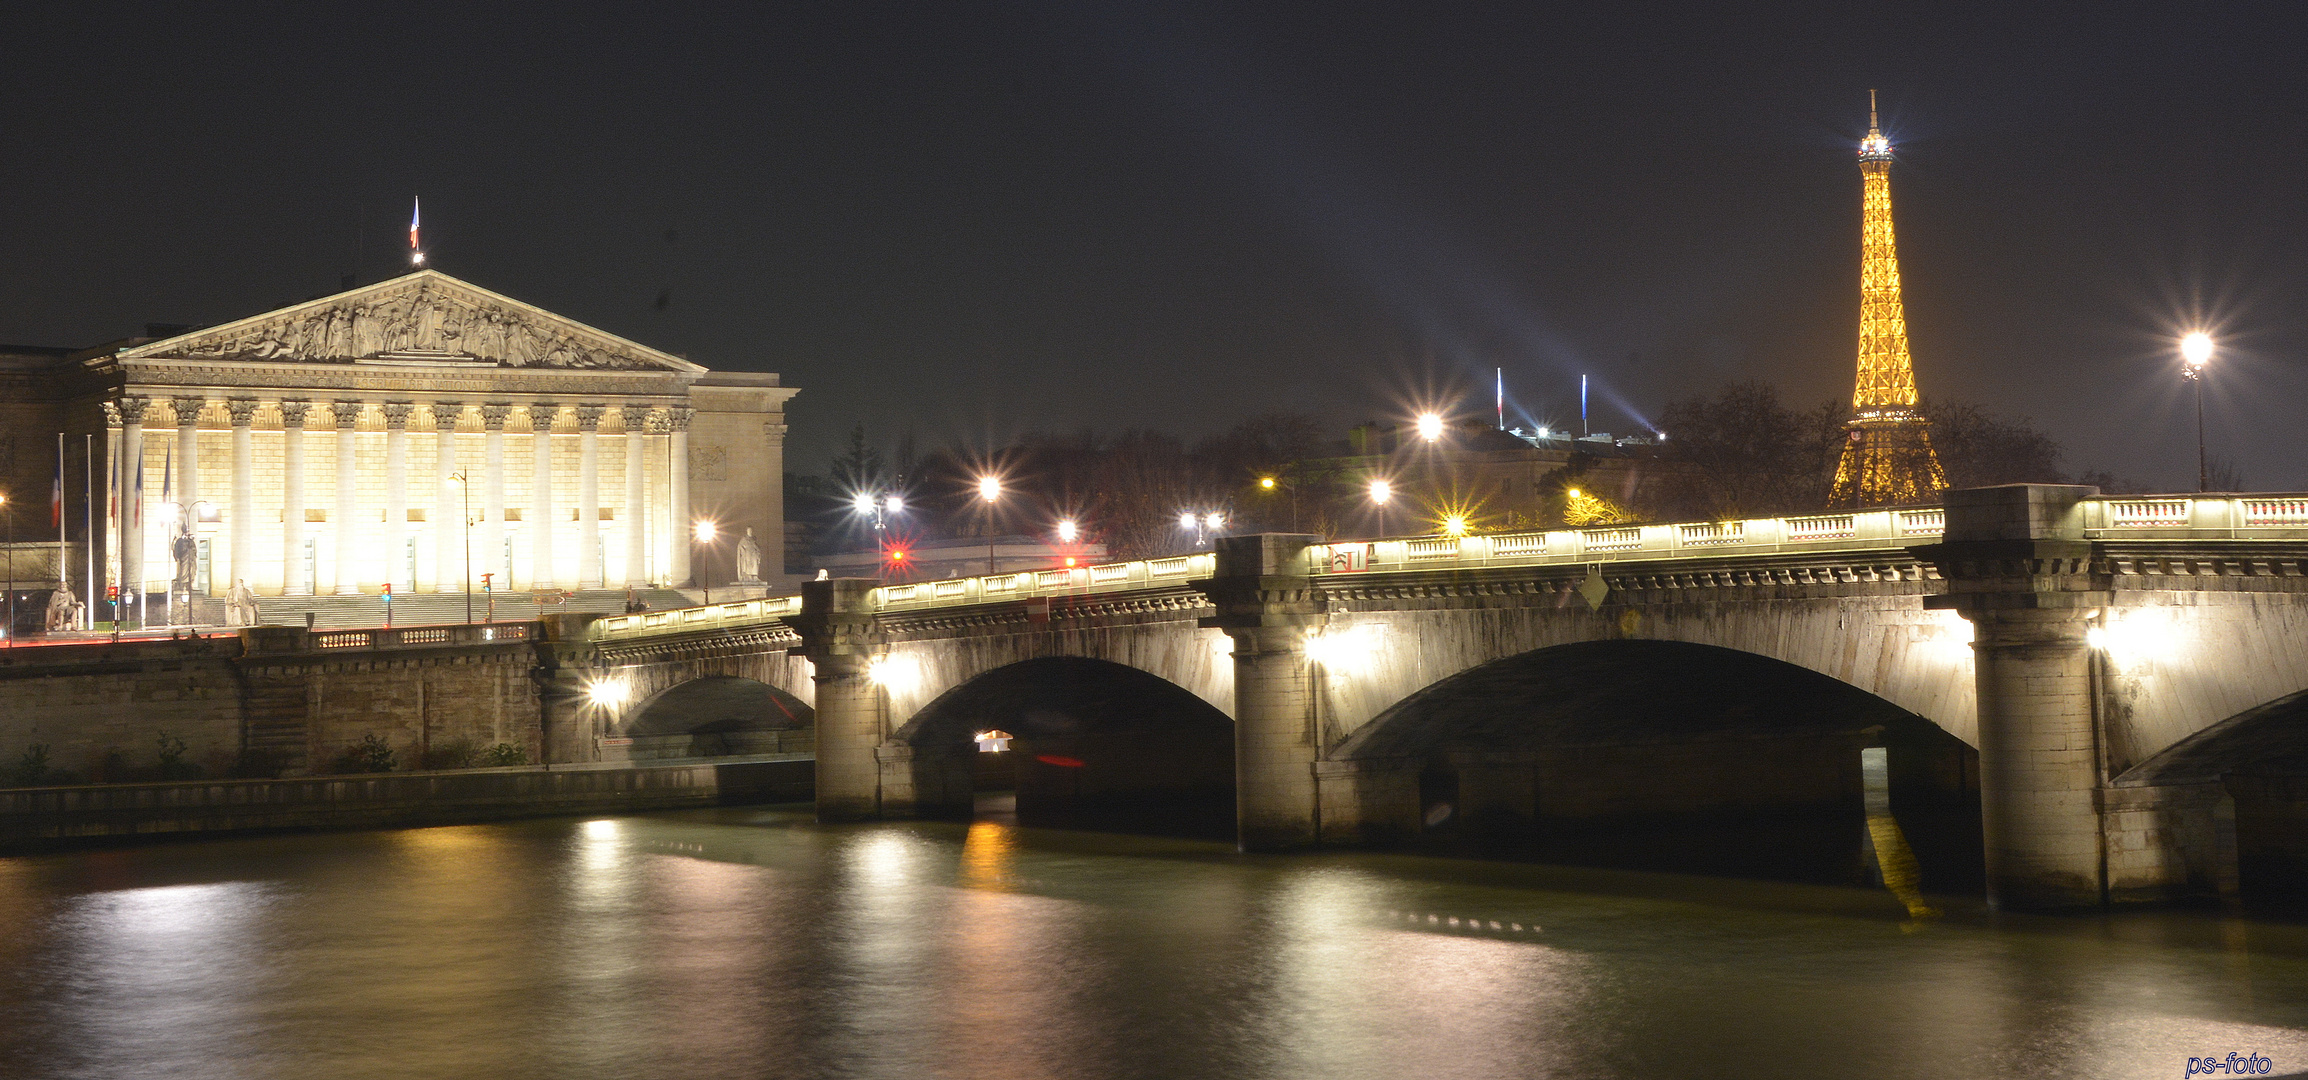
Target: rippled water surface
{"points": [[754, 943]]}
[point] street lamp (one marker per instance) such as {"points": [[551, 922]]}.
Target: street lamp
{"points": [[2195, 352], [989, 491], [1380, 492], [705, 531], [1430, 426], [1067, 531]]}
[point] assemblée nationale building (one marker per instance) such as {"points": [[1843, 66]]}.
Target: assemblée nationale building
{"points": [[420, 431]]}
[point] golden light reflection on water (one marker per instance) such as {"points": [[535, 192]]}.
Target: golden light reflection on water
{"points": [[989, 854]]}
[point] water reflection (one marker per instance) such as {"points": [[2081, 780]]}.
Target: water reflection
{"points": [[745, 943]]}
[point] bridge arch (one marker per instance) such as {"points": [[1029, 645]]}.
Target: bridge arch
{"points": [[1670, 755], [1091, 742], [716, 715], [2253, 769]]}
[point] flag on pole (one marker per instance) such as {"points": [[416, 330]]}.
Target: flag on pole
{"points": [[136, 498], [416, 254], [56, 494]]}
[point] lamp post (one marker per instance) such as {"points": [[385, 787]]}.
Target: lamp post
{"points": [[705, 531], [1380, 492], [1430, 427], [989, 490], [9, 510], [2195, 352], [1191, 522], [465, 489]]}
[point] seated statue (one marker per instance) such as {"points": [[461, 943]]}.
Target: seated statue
{"points": [[63, 609]]}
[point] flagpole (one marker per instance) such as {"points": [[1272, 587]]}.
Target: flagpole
{"points": [[88, 525], [63, 568]]}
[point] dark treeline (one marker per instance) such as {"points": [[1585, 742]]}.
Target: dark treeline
{"points": [[1741, 452]]}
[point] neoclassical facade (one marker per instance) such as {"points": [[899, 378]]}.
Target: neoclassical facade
{"points": [[426, 432]]}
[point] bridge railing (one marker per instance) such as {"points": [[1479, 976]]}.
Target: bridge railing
{"points": [[2146, 516]]}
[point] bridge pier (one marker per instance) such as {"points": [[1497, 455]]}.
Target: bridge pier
{"points": [[839, 636], [1267, 603], [2020, 570]]}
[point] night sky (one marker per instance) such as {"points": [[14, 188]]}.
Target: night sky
{"points": [[969, 221]]}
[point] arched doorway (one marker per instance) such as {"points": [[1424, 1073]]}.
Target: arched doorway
{"points": [[1092, 744], [1673, 756]]}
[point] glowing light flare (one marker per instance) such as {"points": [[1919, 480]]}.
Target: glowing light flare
{"points": [[1187, 520], [893, 504], [1381, 491], [1454, 525], [1266, 482], [897, 674], [1068, 531], [705, 531], [2132, 639], [1343, 651], [989, 487], [897, 555], [2196, 350], [1214, 522], [1430, 426], [609, 693], [863, 502]]}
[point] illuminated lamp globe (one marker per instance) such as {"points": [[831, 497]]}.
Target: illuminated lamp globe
{"points": [[893, 504], [989, 488], [2196, 349], [1215, 521], [1067, 531], [1266, 482], [863, 503], [1186, 520], [705, 532], [1381, 491], [1430, 426]]}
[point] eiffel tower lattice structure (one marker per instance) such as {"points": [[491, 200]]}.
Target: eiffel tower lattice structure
{"points": [[1887, 456]]}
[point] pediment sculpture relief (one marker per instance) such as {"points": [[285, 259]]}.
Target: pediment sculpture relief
{"points": [[423, 323]]}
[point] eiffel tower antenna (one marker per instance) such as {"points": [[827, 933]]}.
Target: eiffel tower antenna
{"points": [[1887, 457]]}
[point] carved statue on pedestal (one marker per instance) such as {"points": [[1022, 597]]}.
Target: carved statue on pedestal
{"points": [[63, 608], [240, 606], [748, 559]]}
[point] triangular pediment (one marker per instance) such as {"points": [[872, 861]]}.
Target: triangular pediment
{"points": [[423, 319]]}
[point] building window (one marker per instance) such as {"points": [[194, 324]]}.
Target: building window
{"points": [[994, 742]]}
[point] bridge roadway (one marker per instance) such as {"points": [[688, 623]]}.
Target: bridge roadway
{"points": [[2110, 658]]}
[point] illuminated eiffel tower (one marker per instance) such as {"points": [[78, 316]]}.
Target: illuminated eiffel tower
{"points": [[1887, 459]]}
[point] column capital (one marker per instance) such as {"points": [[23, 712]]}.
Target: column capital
{"points": [[774, 431], [241, 409], [446, 414], [111, 413], [292, 412], [493, 415], [347, 413], [397, 414], [187, 409], [589, 417], [133, 408], [636, 417], [678, 417], [541, 417]]}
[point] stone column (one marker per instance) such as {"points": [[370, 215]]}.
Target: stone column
{"points": [[188, 454], [2019, 569], [636, 509], [541, 511], [292, 511], [448, 514], [397, 493], [1267, 603], [839, 634], [344, 517], [489, 552], [132, 411], [589, 496], [243, 557], [677, 495]]}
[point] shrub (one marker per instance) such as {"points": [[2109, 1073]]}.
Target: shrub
{"points": [[454, 754], [502, 754], [172, 763], [371, 755], [30, 769]]}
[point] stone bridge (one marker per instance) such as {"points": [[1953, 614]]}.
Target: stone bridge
{"points": [[2110, 660]]}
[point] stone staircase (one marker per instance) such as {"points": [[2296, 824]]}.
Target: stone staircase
{"points": [[275, 717], [429, 609]]}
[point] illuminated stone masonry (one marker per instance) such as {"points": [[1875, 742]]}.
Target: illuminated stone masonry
{"points": [[374, 436]]}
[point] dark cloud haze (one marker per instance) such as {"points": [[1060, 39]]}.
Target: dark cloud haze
{"points": [[972, 220]]}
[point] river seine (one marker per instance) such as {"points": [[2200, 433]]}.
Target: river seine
{"points": [[754, 943]]}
